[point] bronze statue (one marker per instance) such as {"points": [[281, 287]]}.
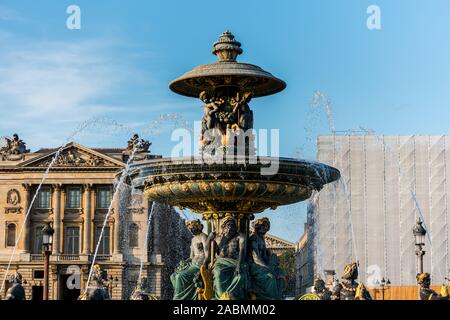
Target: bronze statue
{"points": [[141, 292], [16, 292], [98, 291], [231, 280], [321, 290], [210, 111], [186, 278], [244, 114], [349, 288], [426, 293], [267, 279]]}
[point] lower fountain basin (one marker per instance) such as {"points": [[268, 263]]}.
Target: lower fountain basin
{"points": [[237, 187]]}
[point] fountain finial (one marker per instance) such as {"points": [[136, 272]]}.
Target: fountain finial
{"points": [[227, 48]]}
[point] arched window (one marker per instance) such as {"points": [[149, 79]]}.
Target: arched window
{"points": [[11, 235], [133, 235]]}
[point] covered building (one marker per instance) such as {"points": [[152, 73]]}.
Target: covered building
{"points": [[387, 183]]}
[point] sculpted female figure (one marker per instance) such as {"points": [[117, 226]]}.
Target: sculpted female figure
{"points": [[266, 277], [185, 279]]}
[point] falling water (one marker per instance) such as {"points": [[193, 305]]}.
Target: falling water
{"points": [[78, 130], [117, 191], [145, 249]]}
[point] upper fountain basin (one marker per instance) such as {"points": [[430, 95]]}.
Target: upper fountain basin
{"points": [[239, 187], [244, 76]]}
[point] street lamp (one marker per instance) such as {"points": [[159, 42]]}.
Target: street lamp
{"points": [[419, 236], [47, 241], [384, 286]]}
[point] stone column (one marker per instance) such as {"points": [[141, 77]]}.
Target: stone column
{"points": [[87, 219], [57, 219], [25, 241]]}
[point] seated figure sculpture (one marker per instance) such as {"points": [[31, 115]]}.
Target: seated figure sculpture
{"points": [[98, 290], [16, 292], [186, 278], [426, 293], [321, 290], [230, 269], [349, 288], [267, 279]]}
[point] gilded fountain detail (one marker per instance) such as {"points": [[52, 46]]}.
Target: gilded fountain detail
{"points": [[227, 183]]}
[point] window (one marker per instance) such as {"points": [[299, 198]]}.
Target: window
{"points": [[72, 240], [73, 198], [38, 274], [104, 243], [38, 239], [11, 235], [43, 198], [104, 198], [133, 235]]}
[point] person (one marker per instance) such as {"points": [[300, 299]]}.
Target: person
{"points": [[267, 279], [426, 293], [185, 280], [230, 271], [349, 288]]}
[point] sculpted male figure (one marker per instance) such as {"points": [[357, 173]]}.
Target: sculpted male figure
{"points": [[426, 293], [266, 277], [230, 270], [349, 288], [185, 279]]}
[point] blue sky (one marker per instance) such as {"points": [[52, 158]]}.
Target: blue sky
{"points": [[394, 80]]}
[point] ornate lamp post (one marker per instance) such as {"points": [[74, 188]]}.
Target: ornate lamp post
{"points": [[47, 241], [384, 285], [419, 236]]}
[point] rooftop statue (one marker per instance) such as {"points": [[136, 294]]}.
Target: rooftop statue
{"points": [[16, 292], [426, 293], [14, 148], [349, 288], [137, 147], [186, 279], [267, 279]]}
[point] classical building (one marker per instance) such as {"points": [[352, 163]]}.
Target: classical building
{"points": [[387, 183], [76, 196]]}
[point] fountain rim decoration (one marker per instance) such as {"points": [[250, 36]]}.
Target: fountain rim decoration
{"points": [[210, 188]]}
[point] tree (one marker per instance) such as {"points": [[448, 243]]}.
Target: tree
{"points": [[287, 263]]}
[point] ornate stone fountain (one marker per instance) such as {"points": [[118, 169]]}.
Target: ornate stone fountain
{"points": [[227, 183]]}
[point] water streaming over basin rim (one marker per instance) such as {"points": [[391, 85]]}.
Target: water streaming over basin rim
{"points": [[188, 181]]}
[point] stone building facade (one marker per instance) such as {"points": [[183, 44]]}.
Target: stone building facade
{"points": [[75, 197]]}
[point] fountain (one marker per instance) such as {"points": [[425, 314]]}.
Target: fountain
{"points": [[227, 183]]}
